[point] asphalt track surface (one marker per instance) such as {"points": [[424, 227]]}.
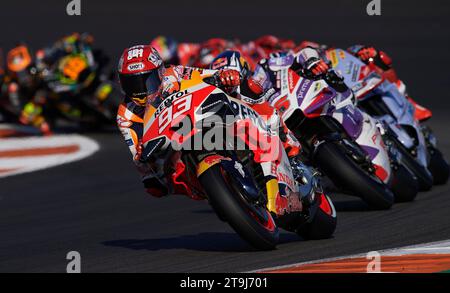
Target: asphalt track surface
{"points": [[97, 206]]}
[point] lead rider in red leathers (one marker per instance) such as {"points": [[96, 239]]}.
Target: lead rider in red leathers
{"points": [[145, 80]]}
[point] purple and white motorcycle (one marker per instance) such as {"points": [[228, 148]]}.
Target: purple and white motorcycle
{"points": [[341, 140], [382, 99]]}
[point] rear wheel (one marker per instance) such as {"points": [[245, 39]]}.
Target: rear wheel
{"points": [[348, 175], [253, 223]]}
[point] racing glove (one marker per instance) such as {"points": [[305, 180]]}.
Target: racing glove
{"points": [[316, 67], [229, 78], [367, 53], [379, 58]]}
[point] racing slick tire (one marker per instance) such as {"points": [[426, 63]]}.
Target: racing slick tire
{"points": [[234, 209], [404, 185], [344, 172], [438, 167], [322, 226], [423, 175]]}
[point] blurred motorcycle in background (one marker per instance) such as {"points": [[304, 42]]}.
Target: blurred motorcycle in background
{"points": [[76, 89], [343, 141], [380, 97]]}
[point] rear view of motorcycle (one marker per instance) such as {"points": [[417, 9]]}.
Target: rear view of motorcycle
{"points": [[344, 142], [380, 98], [255, 188]]}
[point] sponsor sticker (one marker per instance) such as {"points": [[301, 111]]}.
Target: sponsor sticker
{"points": [[136, 66]]}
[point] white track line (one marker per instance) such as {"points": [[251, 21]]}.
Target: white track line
{"points": [[25, 164], [439, 247]]}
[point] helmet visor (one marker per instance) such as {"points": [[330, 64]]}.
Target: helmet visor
{"points": [[140, 85]]}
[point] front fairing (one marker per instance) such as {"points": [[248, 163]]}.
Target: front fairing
{"points": [[402, 112]]}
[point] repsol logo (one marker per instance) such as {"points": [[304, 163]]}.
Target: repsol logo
{"points": [[169, 100]]}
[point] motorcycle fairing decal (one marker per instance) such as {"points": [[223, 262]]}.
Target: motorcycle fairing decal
{"points": [[293, 80], [208, 162], [332, 56], [370, 137], [320, 103], [381, 173], [288, 204], [371, 151], [182, 104], [351, 119], [272, 195], [303, 89], [278, 203]]}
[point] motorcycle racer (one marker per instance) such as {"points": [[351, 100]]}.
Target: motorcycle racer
{"points": [[384, 64], [252, 93], [145, 82], [61, 75], [307, 60], [71, 44], [25, 87], [22, 87]]}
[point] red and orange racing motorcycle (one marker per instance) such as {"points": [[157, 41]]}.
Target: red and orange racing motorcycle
{"points": [[246, 176]]}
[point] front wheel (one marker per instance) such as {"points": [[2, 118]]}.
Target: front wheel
{"points": [[404, 185], [423, 175], [323, 224], [347, 174], [438, 167], [244, 217]]}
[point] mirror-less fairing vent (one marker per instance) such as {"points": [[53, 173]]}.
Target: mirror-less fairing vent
{"points": [[152, 147], [217, 104]]}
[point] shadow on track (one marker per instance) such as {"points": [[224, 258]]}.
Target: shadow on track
{"points": [[212, 242], [355, 205], [341, 205]]}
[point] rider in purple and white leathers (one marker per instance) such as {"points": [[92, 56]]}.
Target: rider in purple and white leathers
{"points": [[307, 60], [384, 64]]}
